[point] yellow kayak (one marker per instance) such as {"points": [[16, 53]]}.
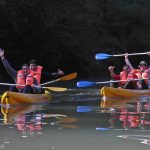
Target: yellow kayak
{"points": [[14, 98], [110, 92]]}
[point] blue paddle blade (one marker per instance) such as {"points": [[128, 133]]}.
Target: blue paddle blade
{"points": [[85, 83], [102, 129], [101, 56], [84, 109]]}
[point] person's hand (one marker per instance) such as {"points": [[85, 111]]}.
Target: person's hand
{"points": [[111, 68], [1, 53], [126, 55], [148, 53], [130, 80], [60, 72], [139, 85]]}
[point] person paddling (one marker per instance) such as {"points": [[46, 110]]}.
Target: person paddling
{"points": [[140, 72], [21, 77], [39, 74], [146, 74], [125, 75]]}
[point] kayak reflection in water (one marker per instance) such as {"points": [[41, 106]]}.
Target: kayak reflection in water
{"points": [[31, 123], [31, 126]]}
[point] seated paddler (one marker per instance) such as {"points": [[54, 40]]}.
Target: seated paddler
{"points": [[40, 74], [23, 78], [127, 76], [141, 71]]}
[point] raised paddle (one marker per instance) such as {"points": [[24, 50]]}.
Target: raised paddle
{"points": [[64, 78], [102, 56], [88, 83], [57, 89]]}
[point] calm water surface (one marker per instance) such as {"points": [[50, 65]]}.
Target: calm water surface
{"points": [[77, 120]]}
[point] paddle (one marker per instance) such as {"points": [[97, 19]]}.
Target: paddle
{"points": [[70, 126], [125, 129], [102, 56], [88, 83], [64, 78], [67, 119], [84, 109], [57, 89], [91, 109]]}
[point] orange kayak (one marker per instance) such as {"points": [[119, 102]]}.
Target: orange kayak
{"points": [[110, 92], [15, 98]]}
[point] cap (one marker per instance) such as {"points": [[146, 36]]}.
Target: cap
{"points": [[143, 63]]}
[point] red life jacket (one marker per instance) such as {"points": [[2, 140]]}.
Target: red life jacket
{"points": [[23, 79], [37, 74], [138, 72], [146, 74], [132, 75], [123, 76], [29, 79]]}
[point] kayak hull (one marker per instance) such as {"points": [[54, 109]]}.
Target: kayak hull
{"points": [[110, 92], [14, 98]]}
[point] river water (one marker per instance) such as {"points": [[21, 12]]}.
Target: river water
{"points": [[76, 120]]}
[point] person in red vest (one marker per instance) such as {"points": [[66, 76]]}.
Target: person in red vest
{"points": [[141, 72], [39, 72], [20, 77], [127, 77], [146, 76], [27, 76]]}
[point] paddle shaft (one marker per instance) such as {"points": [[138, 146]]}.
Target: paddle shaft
{"points": [[115, 81], [130, 54], [59, 89], [64, 78], [50, 82], [9, 84]]}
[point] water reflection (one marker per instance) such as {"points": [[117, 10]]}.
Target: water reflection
{"points": [[133, 113], [30, 120], [76, 120]]}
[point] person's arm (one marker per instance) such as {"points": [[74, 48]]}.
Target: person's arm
{"points": [[128, 62], [111, 70], [54, 74], [112, 74], [9, 69]]}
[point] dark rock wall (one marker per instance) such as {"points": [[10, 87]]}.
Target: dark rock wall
{"points": [[67, 34]]}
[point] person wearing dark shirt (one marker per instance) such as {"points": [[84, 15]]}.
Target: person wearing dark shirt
{"points": [[19, 77], [40, 74]]}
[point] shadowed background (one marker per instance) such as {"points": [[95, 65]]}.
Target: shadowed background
{"points": [[67, 34]]}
